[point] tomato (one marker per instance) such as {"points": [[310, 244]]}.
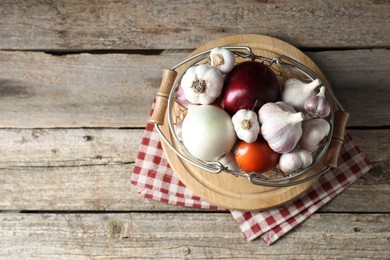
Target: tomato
{"points": [[256, 156]]}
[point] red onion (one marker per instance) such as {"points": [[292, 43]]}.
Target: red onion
{"points": [[249, 85]]}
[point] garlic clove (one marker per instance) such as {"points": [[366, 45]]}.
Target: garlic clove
{"points": [[246, 125], [296, 92], [314, 131], [318, 106], [295, 160], [280, 127], [222, 59]]}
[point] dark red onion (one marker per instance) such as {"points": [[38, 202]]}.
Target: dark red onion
{"points": [[249, 85]]}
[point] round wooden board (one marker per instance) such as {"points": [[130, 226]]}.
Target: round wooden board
{"points": [[224, 189]]}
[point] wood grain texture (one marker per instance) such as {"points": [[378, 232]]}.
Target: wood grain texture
{"points": [[190, 236], [77, 79], [77, 90], [68, 147], [107, 188], [362, 89], [116, 90], [79, 147], [108, 25], [39, 169]]}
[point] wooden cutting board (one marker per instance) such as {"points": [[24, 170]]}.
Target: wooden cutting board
{"points": [[224, 189]]}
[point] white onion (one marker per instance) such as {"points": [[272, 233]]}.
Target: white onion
{"points": [[208, 132]]}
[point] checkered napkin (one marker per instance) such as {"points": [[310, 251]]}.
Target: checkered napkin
{"points": [[156, 180]]}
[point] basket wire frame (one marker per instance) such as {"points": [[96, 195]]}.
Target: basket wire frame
{"points": [[281, 65]]}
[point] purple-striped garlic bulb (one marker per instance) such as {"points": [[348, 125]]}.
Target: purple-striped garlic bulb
{"points": [[318, 106]]}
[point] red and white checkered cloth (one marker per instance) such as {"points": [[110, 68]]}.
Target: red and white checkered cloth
{"points": [[156, 180]]}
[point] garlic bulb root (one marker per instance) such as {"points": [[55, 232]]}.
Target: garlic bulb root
{"points": [[281, 127]]}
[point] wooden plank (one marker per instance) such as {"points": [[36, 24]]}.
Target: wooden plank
{"points": [[92, 147], [87, 188], [85, 25], [108, 188], [40, 168], [190, 236], [41, 90], [38, 90], [68, 147], [359, 88]]}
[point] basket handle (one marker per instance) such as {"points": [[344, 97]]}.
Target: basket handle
{"points": [[162, 96], [337, 141]]}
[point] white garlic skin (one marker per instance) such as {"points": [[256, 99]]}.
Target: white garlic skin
{"points": [[229, 162], [295, 160], [280, 127], [222, 59], [314, 131], [202, 84], [318, 106], [246, 125], [296, 92]]}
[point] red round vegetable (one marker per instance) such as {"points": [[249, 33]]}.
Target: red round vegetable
{"points": [[248, 86], [255, 157]]}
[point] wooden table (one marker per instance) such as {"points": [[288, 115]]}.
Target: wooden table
{"points": [[77, 80]]}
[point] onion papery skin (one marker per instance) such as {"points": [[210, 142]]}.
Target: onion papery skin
{"points": [[248, 86], [208, 132]]}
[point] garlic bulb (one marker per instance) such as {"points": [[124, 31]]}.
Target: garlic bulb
{"points": [[229, 162], [222, 59], [314, 131], [318, 106], [246, 125], [295, 160], [202, 84], [296, 92], [281, 126]]}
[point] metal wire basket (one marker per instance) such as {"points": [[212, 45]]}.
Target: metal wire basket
{"points": [[284, 68]]}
